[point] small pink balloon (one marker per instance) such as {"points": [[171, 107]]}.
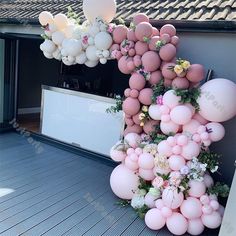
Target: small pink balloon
{"points": [[159, 204], [122, 64], [200, 119], [191, 127], [155, 31], [177, 224], [127, 92], [175, 40], [155, 77], [152, 43], [176, 162], [168, 29], [214, 204], [130, 151], [150, 126], [120, 34], [133, 129], [145, 96], [201, 129], [137, 81], [182, 140], [181, 115], [167, 71], [165, 38], [146, 161], [131, 35], [204, 199], [180, 83], [131, 106], [139, 18], [154, 219], [197, 188], [132, 139], [171, 141], [117, 155], [133, 156], [143, 30], [195, 226], [177, 150], [165, 118], [138, 151], [169, 127], [141, 48], [207, 143], [164, 148], [132, 165], [146, 174], [132, 52], [195, 73], [151, 61], [217, 131], [114, 46], [165, 110], [191, 150], [170, 99], [204, 136], [172, 198], [130, 65], [136, 119], [134, 93], [207, 209], [196, 138], [208, 180], [166, 212], [191, 208], [167, 52], [129, 121], [154, 112], [212, 221]]}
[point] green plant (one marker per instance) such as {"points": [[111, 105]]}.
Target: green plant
{"points": [[142, 211], [117, 107], [123, 203], [219, 189], [158, 90], [144, 185], [211, 159], [72, 15]]}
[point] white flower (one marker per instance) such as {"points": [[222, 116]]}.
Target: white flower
{"points": [[137, 201], [214, 169], [203, 167]]}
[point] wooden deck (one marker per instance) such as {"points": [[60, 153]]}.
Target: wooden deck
{"points": [[59, 193]]}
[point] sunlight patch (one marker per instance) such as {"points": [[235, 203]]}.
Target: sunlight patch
{"points": [[6, 191]]}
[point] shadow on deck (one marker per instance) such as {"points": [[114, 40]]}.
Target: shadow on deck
{"points": [[59, 193]]}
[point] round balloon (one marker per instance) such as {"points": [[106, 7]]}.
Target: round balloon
{"points": [[177, 224], [154, 219]]}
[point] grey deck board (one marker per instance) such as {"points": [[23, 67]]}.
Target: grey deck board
{"points": [[59, 193]]}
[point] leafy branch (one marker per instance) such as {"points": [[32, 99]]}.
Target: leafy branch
{"points": [[117, 107], [211, 159], [219, 189], [158, 89], [142, 211]]}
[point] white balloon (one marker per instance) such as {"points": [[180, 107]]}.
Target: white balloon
{"points": [[106, 53], [90, 41], [106, 9], [52, 27], [77, 32], [71, 59], [58, 37], [48, 46], [103, 60], [91, 53], [99, 53], [154, 112], [45, 18], [64, 52], [65, 43], [61, 21], [48, 55], [74, 47], [57, 55], [103, 27], [103, 41], [91, 63], [69, 30], [81, 59], [66, 61], [48, 33], [93, 30]]}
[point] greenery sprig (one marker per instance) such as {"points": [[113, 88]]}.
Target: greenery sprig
{"points": [[71, 14], [158, 90], [219, 189], [123, 203], [117, 107], [211, 159], [144, 185], [142, 211]]}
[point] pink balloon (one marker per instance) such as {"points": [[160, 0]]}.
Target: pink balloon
{"points": [[204, 199], [155, 77], [182, 140], [151, 61], [159, 204], [130, 65], [154, 219], [150, 126], [221, 210], [137, 81], [167, 72], [146, 174], [191, 127], [122, 64], [146, 161], [133, 140], [181, 115], [176, 162], [132, 52], [131, 106], [136, 119], [117, 155], [155, 31], [212, 221], [207, 209], [127, 92], [165, 38], [131, 164], [114, 46], [138, 151], [154, 112], [191, 208], [134, 156], [175, 40], [143, 30], [170, 99], [180, 83], [197, 188], [177, 224], [134, 93], [167, 52], [145, 96], [191, 150], [217, 131], [139, 18], [152, 43], [131, 35], [172, 198], [195, 73], [208, 180], [168, 29], [214, 204], [164, 148], [165, 118], [124, 182], [120, 34], [169, 127], [200, 119], [195, 226], [130, 151], [133, 129], [129, 121], [141, 48], [171, 141], [150, 200], [165, 110], [166, 212], [177, 150]]}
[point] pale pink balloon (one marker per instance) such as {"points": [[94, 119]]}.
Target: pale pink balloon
{"points": [[191, 127], [138, 151], [124, 182], [165, 110], [114, 46], [180, 83], [175, 40], [165, 118], [164, 148], [120, 34], [207, 209], [176, 162], [146, 174], [134, 156], [177, 224], [129, 121], [217, 131], [150, 126], [195, 226], [168, 29], [221, 210], [150, 200], [139, 18], [131, 35], [171, 141], [195, 73], [154, 219], [132, 165], [151, 61], [166, 212], [191, 208], [141, 48], [127, 92], [146, 161], [143, 30], [133, 129], [181, 115], [201, 129], [159, 204], [197, 188], [214, 204], [132, 139], [145, 96], [200, 119], [131, 106], [161, 171], [167, 83], [191, 107], [191, 150], [165, 38], [155, 112], [170, 99], [172, 198], [137, 81], [196, 138], [130, 151], [167, 72], [182, 140], [213, 197], [122, 64], [204, 199], [204, 136], [167, 52], [155, 77], [177, 150], [130, 65], [152, 43], [155, 31], [169, 127], [208, 180], [212, 221], [117, 155]]}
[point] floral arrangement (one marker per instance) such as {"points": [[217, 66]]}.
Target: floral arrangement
{"points": [[171, 120]]}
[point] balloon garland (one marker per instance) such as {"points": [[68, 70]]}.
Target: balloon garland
{"points": [[170, 119]]}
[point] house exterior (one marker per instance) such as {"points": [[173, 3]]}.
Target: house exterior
{"points": [[207, 30]]}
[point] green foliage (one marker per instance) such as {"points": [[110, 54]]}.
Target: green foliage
{"points": [[159, 44], [158, 89], [189, 96], [44, 36], [211, 159], [183, 186], [123, 203], [164, 176], [142, 211], [219, 189], [72, 15], [143, 184], [121, 21], [117, 107]]}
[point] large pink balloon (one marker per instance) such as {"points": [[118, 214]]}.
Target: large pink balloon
{"points": [[146, 161], [164, 148], [168, 29], [217, 131], [180, 83], [141, 17], [213, 220], [151, 61], [131, 106], [145, 96], [191, 208], [195, 226], [197, 188], [171, 99], [195, 73], [181, 115], [172, 198], [169, 127], [217, 101], [137, 81], [176, 162], [154, 219], [154, 112], [120, 34], [167, 52], [141, 48], [155, 77], [177, 224], [124, 182], [143, 30], [191, 127], [191, 150]]}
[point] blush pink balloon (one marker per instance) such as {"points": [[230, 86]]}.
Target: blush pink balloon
{"points": [[177, 224], [191, 150], [181, 115], [131, 164], [191, 208], [134, 156], [131, 106], [145, 96], [122, 64], [204, 199], [165, 118], [132, 52], [169, 127], [130, 65], [165, 38], [167, 52], [177, 150], [172, 198], [175, 40], [151, 61], [170, 99], [155, 77], [137, 81], [182, 140], [150, 200], [164, 148], [130, 151], [207, 209], [197, 188], [155, 31], [208, 180], [134, 93], [154, 219], [168, 29], [180, 83], [138, 151], [171, 141], [133, 129], [191, 127], [117, 155], [152, 43], [159, 204], [176, 162], [120, 34], [136, 119], [146, 161], [167, 72], [114, 46], [124, 182], [217, 131], [146, 174], [195, 226], [165, 110], [127, 92], [166, 212], [141, 48], [214, 204], [195, 73], [212, 221], [143, 30], [131, 35], [150, 126], [139, 18], [129, 121], [133, 140]]}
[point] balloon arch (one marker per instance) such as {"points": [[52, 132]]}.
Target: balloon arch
{"points": [[170, 119]]}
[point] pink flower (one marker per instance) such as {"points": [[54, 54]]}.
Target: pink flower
{"points": [[159, 100], [110, 28], [114, 53], [85, 40], [166, 184], [158, 182]]}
